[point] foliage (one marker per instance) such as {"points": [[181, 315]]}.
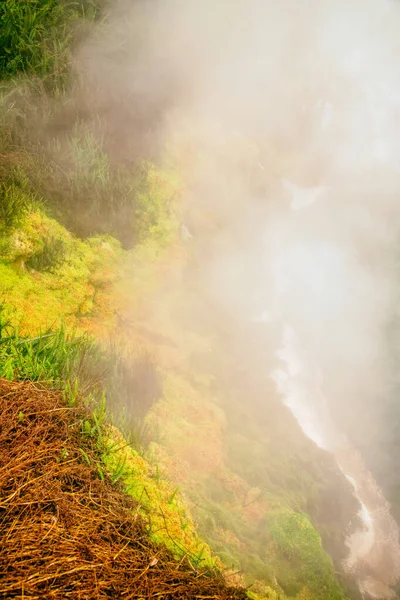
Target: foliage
{"points": [[71, 173], [156, 193], [13, 205], [99, 536], [76, 181], [36, 38], [87, 195], [249, 475], [265, 468], [170, 522], [48, 276], [92, 196], [51, 356], [303, 562], [50, 256], [76, 365], [15, 198]]}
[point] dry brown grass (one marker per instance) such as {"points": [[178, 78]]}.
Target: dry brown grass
{"points": [[65, 533]]}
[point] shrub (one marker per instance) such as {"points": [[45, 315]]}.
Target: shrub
{"points": [[155, 193], [15, 198], [13, 204], [91, 196], [36, 38], [302, 559], [50, 256]]}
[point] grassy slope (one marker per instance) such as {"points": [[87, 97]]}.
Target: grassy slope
{"points": [[84, 535], [193, 449], [33, 301], [251, 480], [48, 275], [196, 450], [38, 299]]}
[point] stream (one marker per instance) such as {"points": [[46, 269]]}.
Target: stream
{"points": [[374, 549]]}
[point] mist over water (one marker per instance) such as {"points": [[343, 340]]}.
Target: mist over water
{"points": [[284, 120], [374, 549]]}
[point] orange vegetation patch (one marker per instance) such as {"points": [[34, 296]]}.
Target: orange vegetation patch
{"points": [[66, 531]]}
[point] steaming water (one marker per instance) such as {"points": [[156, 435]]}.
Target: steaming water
{"points": [[362, 541], [374, 550]]}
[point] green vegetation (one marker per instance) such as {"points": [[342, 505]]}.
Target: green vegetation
{"points": [[169, 518], [73, 179], [74, 222], [53, 356], [37, 38], [15, 198], [67, 171], [91, 196], [48, 276], [302, 563], [251, 519], [75, 364]]}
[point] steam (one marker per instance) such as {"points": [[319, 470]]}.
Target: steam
{"points": [[283, 118]]}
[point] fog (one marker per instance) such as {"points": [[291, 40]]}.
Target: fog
{"points": [[283, 119]]}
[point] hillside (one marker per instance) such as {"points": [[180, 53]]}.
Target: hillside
{"points": [[236, 481], [67, 530], [182, 459]]}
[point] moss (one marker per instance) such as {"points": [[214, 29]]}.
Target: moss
{"points": [[170, 521], [156, 193], [267, 593], [250, 527], [300, 559], [66, 287], [210, 449]]}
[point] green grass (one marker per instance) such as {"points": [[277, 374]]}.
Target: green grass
{"points": [[86, 374], [75, 181], [63, 205], [53, 356], [37, 38], [91, 196], [70, 174], [65, 210], [169, 519], [134, 384], [301, 560], [52, 254], [250, 481]]}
